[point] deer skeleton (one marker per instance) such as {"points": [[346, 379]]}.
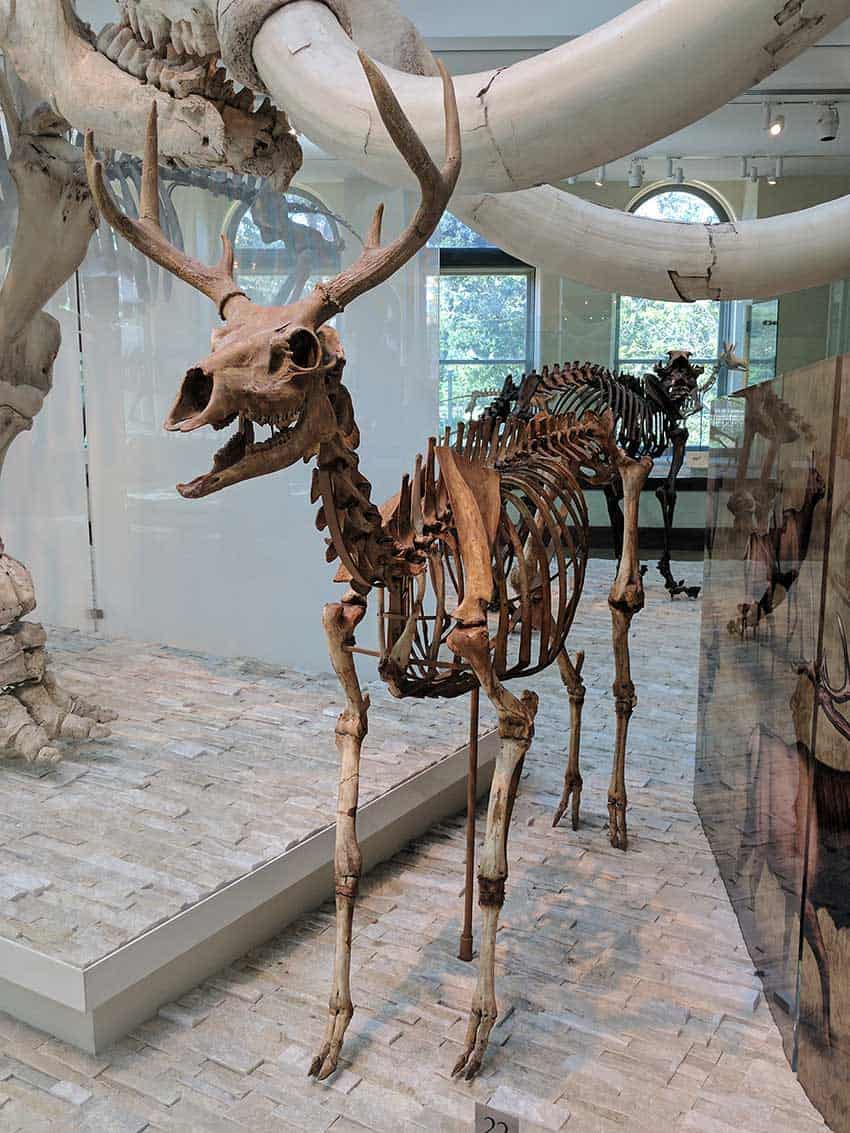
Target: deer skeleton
{"points": [[443, 543]]}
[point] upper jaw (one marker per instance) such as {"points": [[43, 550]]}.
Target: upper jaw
{"points": [[202, 125]]}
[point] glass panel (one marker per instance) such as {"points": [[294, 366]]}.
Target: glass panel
{"points": [[43, 483], [285, 244], [766, 537], [175, 571], [824, 1067]]}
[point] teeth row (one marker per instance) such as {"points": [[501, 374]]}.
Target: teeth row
{"points": [[172, 72], [272, 442], [280, 420], [156, 30]]}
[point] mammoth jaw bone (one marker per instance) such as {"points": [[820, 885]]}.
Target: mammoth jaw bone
{"points": [[631, 255], [56, 56], [545, 118]]}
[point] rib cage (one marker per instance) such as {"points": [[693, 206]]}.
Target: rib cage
{"points": [[542, 535], [643, 422]]}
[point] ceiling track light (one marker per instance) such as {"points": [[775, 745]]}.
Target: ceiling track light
{"points": [[670, 170], [754, 174], [745, 168], [774, 124], [828, 122], [680, 175], [601, 176], [779, 169], [636, 173]]}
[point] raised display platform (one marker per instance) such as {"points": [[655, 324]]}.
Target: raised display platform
{"points": [[145, 862]]}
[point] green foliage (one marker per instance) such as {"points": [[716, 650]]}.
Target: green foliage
{"points": [[483, 316], [650, 327]]}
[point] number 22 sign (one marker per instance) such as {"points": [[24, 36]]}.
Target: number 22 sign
{"points": [[491, 1121]]}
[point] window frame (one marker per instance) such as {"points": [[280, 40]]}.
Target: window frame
{"points": [[726, 319]]}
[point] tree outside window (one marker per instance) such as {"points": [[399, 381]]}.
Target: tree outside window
{"points": [[486, 319]]}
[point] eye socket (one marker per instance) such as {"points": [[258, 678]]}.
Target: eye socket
{"points": [[305, 349]]}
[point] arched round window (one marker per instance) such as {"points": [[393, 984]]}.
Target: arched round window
{"points": [[648, 328], [285, 243]]}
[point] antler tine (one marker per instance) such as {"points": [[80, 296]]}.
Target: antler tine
{"points": [[375, 263], [217, 283]]}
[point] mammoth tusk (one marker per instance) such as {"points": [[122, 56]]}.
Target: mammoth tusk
{"points": [[545, 118], [630, 255]]}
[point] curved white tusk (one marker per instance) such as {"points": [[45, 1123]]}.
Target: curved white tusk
{"points": [[647, 73], [631, 255]]}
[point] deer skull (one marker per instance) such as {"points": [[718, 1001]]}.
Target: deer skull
{"points": [[265, 369], [280, 366]]}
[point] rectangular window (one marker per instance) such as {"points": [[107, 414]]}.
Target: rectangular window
{"points": [[486, 327]]}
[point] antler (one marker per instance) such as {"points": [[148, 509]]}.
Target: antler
{"points": [[375, 263], [217, 283]]}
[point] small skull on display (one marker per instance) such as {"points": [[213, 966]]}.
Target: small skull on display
{"points": [[34, 710]]}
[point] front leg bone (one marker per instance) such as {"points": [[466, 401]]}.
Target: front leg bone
{"points": [[340, 621], [516, 729]]}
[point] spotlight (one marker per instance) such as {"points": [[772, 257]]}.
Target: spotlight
{"points": [[680, 176], [745, 167], [754, 174], [774, 124], [828, 123], [670, 170], [636, 172], [776, 176], [600, 177]]}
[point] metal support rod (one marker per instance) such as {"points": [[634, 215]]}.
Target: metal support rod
{"points": [[471, 801]]}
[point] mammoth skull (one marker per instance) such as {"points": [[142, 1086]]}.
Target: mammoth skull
{"points": [[150, 56]]}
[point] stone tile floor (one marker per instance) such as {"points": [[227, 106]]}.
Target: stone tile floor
{"points": [[628, 1002], [214, 767]]}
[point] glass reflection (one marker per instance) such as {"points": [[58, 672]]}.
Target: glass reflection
{"points": [[773, 767]]}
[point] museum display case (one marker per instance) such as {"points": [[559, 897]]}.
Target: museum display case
{"points": [[773, 748]]}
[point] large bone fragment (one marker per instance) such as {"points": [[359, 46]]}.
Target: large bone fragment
{"points": [[616, 251]]}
